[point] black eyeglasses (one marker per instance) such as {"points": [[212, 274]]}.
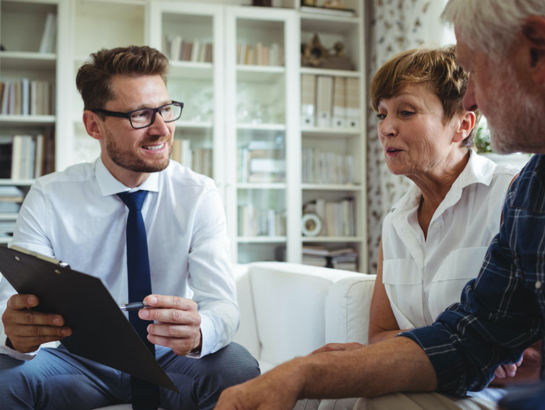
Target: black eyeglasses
{"points": [[145, 117]]}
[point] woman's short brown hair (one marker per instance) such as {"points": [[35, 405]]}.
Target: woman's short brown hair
{"points": [[435, 67], [94, 77]]}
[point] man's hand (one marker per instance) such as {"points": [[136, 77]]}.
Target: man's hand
{"points": [[178, 323], [338, 347], [525, 371], [277, 389], [26, 329]]}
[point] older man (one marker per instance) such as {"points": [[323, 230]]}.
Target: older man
{"points": [[502, 44]]}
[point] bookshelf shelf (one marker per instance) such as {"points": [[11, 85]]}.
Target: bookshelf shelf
{"points": [[37, 120], [259, 73], [17, 182], [333, 73], [8, 217], [332, 239], [324, 187], [331, 132], [321, 23], [5, 239], [205, 125], [261, 186], [191, 70], [261, 239], [262, 127], [13, 60]]}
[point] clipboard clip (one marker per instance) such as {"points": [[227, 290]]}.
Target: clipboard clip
{"points": [[40, 256]]}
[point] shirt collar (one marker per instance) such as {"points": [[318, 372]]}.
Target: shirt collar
{"points": [[110, 186]]}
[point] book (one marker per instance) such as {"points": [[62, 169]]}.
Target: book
{"points": [[339, 102], [328, 11], [25, 97], [353, 115], [47, 43]]}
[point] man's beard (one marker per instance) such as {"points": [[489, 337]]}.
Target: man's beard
{"points": [[131, 161], [516, 122]]}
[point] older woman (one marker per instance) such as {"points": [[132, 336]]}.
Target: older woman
{"points": [[435, 238]]}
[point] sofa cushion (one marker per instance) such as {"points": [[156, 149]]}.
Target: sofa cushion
{"points": [[347, 308], [289, 301]]}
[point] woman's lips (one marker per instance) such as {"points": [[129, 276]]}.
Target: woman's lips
{"points": [[392, 152]]}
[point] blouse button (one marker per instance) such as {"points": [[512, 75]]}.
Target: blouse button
{"points": [[538, 285]]}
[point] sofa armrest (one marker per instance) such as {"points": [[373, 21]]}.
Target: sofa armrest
{"points": [[347, 309]]}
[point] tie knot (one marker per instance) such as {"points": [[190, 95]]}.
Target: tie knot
{"points": [[133, 200]]}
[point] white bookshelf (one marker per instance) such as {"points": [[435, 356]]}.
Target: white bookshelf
{"points": [[220, 87]]}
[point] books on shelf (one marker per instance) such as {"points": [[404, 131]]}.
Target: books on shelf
{"points": [[260, 222], [338, 217], [26, 156], [262, 162], [11, 198], [321, 167], [328, 101], [328, 11], [178, 49], [260, 54], [200, 160], [27, 97], [345, 258], [49, 36]]}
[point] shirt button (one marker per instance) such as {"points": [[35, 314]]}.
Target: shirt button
{"points": [[538, 285]]}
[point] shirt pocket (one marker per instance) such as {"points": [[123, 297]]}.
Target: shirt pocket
{"points": [[460, 266], [402, 280]]}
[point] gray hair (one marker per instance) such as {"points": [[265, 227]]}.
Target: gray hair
{"points": [[491, 26]]}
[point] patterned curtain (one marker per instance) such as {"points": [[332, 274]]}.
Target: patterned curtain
{"points": [[394, 26]]}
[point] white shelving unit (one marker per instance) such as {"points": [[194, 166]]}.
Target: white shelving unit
{"points": [[214, 94]]}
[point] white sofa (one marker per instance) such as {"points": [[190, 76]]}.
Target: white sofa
{"points": [[289, 310]]}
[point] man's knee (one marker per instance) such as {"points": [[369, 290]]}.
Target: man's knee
{"points": [[15, 384], [233, 365]]}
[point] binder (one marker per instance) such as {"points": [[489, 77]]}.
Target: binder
{"points": [[325, 95], [308, 100], [353, 103], [100, 330], [339, 102]]}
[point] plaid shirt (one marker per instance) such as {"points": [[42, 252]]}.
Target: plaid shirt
{"points": [[502, 311]]}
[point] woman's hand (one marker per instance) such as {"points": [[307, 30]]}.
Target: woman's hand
{"points": [[508, 370]]}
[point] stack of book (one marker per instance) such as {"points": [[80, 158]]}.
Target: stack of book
{"points": [[330, 101], [346, 258], [321, 167], [178, 49], [200, 160], [26, 156], [338, 218], [260, 55], [262, 162], [260, 222], [11, 198], [27, 97]]}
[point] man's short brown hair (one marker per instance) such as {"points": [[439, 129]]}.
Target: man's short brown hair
{"points": [[94, 77], [437, 69]]}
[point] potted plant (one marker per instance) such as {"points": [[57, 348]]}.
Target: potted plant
{"points": [[482, 146]]}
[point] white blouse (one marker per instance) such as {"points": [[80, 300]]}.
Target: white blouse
{"points": [[422, 276]]}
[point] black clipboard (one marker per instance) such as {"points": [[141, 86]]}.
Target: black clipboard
{"points": [[100, 330]]}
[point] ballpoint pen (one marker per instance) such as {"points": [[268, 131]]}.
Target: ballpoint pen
{"points": [[130, 307]]}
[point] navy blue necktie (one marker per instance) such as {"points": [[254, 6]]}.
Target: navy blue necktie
{"points": [[145, 395]]}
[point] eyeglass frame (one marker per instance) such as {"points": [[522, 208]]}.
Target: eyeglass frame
{"points": [[127, 115]]}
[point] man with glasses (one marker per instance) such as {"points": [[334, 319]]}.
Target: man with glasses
{"points": [[152, 230]]}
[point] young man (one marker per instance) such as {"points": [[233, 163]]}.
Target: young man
{"points": [[502, 44], [151, 230]]}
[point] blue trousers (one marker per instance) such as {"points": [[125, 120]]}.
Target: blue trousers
{"points": [[58, 380]]}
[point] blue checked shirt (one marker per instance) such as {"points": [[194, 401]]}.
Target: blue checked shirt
{"points": [[502, 311]]}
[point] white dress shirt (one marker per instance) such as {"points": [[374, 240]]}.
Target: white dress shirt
{"points": [[422, 277], [76, 217]]}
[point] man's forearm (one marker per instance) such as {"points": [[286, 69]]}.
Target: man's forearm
{"points": [[394, 365]]}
